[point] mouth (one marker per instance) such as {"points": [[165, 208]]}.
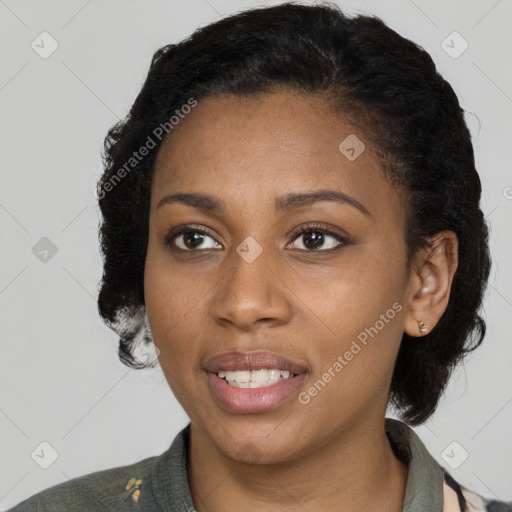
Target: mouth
{"points": [[253, 397], [262, 378], [253, 382]]}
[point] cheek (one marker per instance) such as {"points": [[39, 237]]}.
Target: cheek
{"points": [[173, 305], [359, 319], [172, 302], [171, 289], [356, 353], [351, 296]]}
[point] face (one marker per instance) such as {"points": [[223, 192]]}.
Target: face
{"points": [[322, 283]]}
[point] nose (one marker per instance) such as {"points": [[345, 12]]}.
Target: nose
{"points": [[252, 293]]}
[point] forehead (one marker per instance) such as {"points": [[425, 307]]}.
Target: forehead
{"points": [[254, 149]]}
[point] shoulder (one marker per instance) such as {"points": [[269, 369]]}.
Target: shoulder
{"points": [[108, 489], [442, 492]]}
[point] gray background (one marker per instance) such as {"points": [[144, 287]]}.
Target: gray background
{"points": [[60, 379]]}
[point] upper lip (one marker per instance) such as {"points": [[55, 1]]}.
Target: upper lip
{"points": [[233, 361]]}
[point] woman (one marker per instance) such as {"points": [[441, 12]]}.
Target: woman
{"points": [[291, 214]]}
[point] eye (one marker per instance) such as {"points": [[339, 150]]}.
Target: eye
{"points": [[188, 238], [191, 239], [315, 237]]}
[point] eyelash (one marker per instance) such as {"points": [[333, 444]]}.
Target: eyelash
{"points": [[309, 228]]}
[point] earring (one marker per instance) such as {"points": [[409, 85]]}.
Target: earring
{"points": [[421, 327]]}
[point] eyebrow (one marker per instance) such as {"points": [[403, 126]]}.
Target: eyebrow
{"points": [[284, 203]]}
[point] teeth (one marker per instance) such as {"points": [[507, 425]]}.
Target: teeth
{"points": [[239, 376], [256, 378], [274, 375], [259, 376]]}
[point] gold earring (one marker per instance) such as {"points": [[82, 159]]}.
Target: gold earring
{"points": [[421, 327]]}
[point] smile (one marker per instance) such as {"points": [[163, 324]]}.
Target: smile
{"points": [[261, 378]]}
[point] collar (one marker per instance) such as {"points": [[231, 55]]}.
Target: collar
{"points": [[424, 488]]}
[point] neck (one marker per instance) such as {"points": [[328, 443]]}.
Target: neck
{"points": [[357, 470]]}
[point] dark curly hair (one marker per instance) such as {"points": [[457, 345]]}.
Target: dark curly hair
{"points": [[384, 84]]}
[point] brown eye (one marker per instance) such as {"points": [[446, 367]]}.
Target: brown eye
{"points": [[313, 239], [319, 239], [190, 239]]}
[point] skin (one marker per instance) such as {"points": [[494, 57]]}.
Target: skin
{"points": [[294, 300]]}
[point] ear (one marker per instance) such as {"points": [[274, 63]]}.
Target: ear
{"points": [[430, 283]]}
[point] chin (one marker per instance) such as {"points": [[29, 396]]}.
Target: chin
{"points": [[260, 448]]}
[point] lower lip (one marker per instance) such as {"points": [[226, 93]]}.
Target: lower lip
{"points": [[247, 400]]}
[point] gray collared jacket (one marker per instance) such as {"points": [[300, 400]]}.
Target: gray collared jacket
{"points": [[160, 483]]}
